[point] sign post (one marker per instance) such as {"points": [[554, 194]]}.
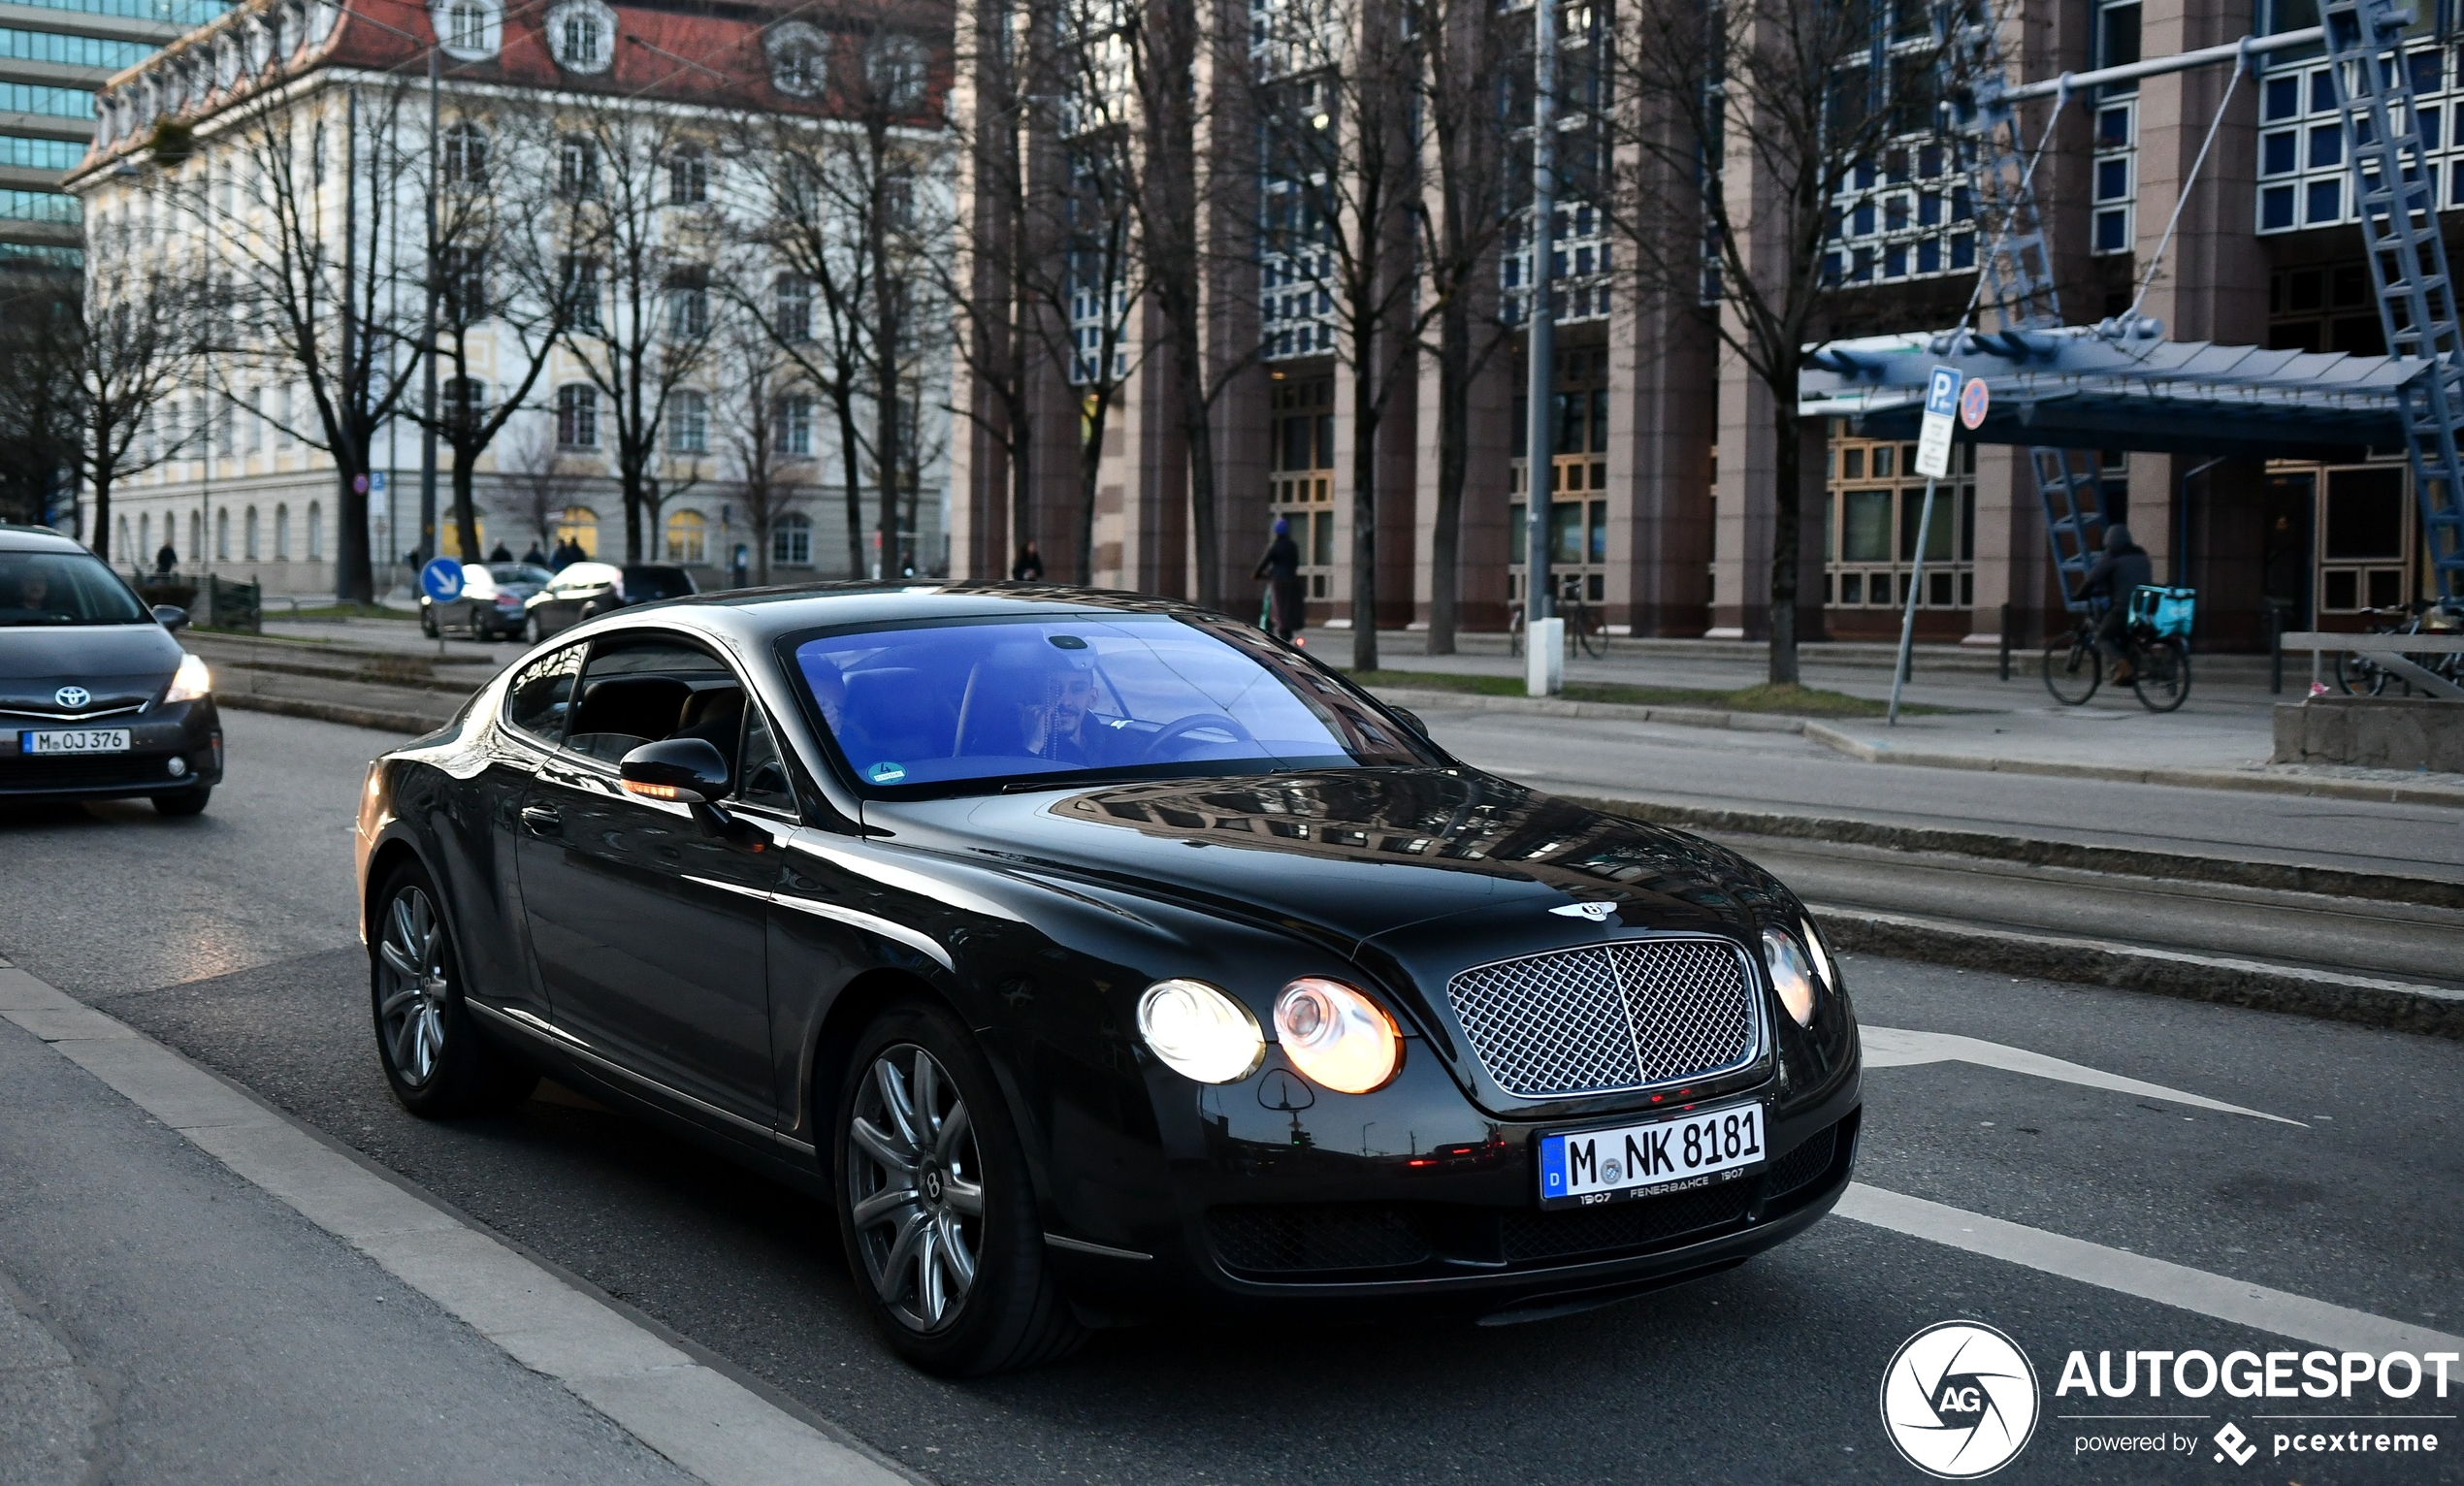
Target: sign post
{"points": [[442, 581], [1942, 410]]}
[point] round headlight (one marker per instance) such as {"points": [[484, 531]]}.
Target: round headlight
{"points": [[1337, 1036], [1821, 952], [1791, 975], [1199, 1031]]}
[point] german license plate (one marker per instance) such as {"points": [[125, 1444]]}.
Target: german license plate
{"points": [[74, 740], [1579, 1167]]}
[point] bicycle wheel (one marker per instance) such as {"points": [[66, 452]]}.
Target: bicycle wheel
{"points": [[1591, 631], [2162, 677], [2073, 670], [2358, 675]]}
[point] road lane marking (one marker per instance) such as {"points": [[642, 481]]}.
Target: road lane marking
{"points": [[1897, 1048], [2119, 1270], [706, 1422]]}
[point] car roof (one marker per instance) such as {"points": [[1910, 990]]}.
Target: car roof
{"points": [[757, 616], [15, 538]]}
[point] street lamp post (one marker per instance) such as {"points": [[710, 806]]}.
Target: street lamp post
{"points": [[428, 339]]}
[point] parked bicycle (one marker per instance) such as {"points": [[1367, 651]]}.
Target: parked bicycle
{"points": [[2156, 641], [2362, 675], [1586, 628]]}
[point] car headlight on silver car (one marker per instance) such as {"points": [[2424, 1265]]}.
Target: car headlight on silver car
{"points": [[190, 682], [1791, 974], [1200, 1032]]}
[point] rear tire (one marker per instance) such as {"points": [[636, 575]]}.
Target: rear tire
{"points": [[533, 632], [2358, 675], [2073, 670], [2163, 676], [920, 1135], [431, 1051], [186, 802]]}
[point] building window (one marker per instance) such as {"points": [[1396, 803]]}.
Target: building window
{"points": [[793, 417], [466, 156], [686, 533], [281, 534], [794, 314], [580, 32], [2112, 175], [576, 416], [1872, 509], [689, 424], [687, 176], [466, 401], [2302, 169], [798, 59], [792, 541], [1578, 481], [470, 30], [464, 287], [895, 71], [689, 303], [579, 525], [577, 165], [222, 534], [316, 532], [248, 534], [582, 289]]}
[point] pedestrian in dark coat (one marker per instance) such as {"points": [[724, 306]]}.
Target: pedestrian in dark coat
{"points": [[1029, 567], [1280, 568], [2123, 570], [165, 561], [501, 553]]}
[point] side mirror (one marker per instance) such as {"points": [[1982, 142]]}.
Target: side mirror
{"points": [[688, 771], [1411, 719], [170, 616]]}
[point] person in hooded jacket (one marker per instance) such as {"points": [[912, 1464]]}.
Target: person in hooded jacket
{"points": [[2121, 571], [1280, 568]]}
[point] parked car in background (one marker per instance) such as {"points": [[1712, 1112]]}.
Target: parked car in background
{"points": [[490, 607], [588, 590], [97, 700]]}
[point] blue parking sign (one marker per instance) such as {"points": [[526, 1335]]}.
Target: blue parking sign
{"points": [[1942, 393]]}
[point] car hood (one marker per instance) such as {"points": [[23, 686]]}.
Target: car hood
{"points": [[1352, 856], [119, 665]]}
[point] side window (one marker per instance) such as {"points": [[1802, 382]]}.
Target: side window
{"points": [[538, 698], [762, 778], [647, 690]]}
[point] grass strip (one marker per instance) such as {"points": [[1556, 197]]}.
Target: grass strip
{"points": [[1789, 700]]}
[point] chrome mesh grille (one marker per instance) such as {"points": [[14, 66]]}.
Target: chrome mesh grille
{"points": [[1577, 1021]]}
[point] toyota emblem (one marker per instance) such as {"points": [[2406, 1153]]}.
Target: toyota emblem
{"points": [[72, 697]]}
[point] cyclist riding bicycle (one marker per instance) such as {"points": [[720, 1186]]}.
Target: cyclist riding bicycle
{"points": [[2122, 569]]}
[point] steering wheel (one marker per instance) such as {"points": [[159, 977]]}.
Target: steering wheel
{"points": [[1181, 727]]}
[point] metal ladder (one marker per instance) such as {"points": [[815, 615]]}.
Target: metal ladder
{"points": [[2398, 202], [2018, 270]]}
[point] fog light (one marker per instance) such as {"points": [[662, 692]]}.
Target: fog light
{"points": [[178, 766], [1336, 1036], [1200, 1032], [1791, 975]]}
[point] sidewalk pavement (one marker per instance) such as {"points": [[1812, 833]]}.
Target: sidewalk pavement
{"points": [[192, 1288]]}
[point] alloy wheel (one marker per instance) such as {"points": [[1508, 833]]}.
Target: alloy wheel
{"points": [[410, 1009], [915, 1188]]}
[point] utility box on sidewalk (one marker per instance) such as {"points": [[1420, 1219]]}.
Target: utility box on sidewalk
{"points": [[2373, 732]]}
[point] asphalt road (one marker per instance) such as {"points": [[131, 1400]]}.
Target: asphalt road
{"points": [[230, 938]]}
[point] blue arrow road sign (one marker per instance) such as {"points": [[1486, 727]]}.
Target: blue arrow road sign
{"points": [[441, 580]]}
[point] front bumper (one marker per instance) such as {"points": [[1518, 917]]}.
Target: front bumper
{"points": [[190, 732]]}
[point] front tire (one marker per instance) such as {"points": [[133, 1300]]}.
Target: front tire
{"points": [[935, 1208], [186, 802], [428, 620], [431, 1052], [2073, 670], [533, 632]]}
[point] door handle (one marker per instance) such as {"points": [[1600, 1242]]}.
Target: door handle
{"points": [[543, 819]]}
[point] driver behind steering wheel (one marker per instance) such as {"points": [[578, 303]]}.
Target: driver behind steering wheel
{"points": [[1054, 721]]}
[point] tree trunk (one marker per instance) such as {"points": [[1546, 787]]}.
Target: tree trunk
{"points": [[1197, 430], [1021, 489], [1364, 512], [844, 405], [1455, 457], [1785, 507], [466, 515], [102, 521], [1091, 468], [354, 582]]}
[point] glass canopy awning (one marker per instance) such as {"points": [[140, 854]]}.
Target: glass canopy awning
{"points": [[2104, 387]]}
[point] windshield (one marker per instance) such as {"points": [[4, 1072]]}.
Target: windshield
{"points": [[642, 584], [64, 587], [518, 572], [976, 705]]}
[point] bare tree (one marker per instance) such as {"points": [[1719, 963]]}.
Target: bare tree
{"points": [[298, 203], [496, 268], [1738, 128], [638, 244], [766, 420], [540, 481], [44, 347]]}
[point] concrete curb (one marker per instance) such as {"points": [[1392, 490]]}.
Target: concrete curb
{"points": [[2128, 861], [2391, 792], [406, 724], [2390, 1004]]}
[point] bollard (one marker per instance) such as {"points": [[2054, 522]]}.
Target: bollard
{"points": [[1545, 658], [2275, 648], [2006, 642]]}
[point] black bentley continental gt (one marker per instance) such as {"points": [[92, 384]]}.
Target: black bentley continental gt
{"points": [[1100, 958]]}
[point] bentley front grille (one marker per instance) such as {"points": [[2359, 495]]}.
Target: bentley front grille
{"points": [[1620, 1016]]}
